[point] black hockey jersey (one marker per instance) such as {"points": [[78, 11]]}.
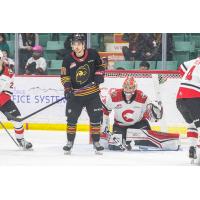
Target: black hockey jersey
{"points": [[81, 72]]}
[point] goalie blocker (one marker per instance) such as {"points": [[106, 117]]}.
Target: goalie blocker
{"points": [[154, 140]]}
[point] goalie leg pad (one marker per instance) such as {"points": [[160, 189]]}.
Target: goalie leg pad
{"points": [[163, 141]]}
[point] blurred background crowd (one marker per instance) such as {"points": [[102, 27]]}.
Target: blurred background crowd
{"points": [[42, 53]]}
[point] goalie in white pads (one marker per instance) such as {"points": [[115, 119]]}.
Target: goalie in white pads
{"points": [[188, 101], [7, 105], [132, 112]]}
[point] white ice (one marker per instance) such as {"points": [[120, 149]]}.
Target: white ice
{"points": [[48, 151]]}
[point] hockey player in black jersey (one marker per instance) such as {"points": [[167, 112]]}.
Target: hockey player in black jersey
{"points": [[81, 73]]}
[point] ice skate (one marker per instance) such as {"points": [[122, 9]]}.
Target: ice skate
{"points": [[192, 154], [98, 148], [25, 145], [68, 147]]}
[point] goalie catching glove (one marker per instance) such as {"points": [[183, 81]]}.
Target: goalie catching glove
{"points": [[155, 111]]}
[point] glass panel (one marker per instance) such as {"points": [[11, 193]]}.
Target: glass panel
{"points": [[186, 46], [27, 41], [7, 46], [129, 50], [117, 50]]}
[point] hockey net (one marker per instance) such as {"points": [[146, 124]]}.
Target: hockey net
{"points": [[160, 85], [163, 74]]}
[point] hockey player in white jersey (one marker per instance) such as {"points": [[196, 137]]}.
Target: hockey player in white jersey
{"points": [[188, 101], [7, 105], [132, 112]]}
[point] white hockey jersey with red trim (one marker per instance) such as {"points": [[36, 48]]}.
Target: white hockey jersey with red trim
{"points": [[126, 114], [6, 85], [190, 82]]}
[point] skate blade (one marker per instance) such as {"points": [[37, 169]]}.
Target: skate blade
{"points": [[98, 152]]}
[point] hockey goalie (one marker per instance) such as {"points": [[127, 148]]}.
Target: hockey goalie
{"points": [[132, 112]]}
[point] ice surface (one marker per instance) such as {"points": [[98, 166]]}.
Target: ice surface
{"points": [[48, 151]]}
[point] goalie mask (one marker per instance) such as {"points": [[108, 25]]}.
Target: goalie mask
{"points": [[129, 87], [155, 111]]}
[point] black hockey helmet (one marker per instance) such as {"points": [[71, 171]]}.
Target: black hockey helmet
{"points": [[78, 37]]}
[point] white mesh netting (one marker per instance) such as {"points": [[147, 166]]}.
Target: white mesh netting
{"points": [[156, 84]]}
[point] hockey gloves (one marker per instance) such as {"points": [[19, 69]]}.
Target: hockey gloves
{"points": [[99, 77], [67, 94]]}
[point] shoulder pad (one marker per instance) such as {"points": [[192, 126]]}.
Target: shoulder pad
{"points": [[140, 96], [116, 95]]}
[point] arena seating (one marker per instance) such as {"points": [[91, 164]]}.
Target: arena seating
{"points": [[186, 47]]}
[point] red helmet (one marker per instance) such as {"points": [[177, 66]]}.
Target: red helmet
{"points": [[129, 85]]}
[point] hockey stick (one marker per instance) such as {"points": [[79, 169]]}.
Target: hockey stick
{"points": [[116, 140], [11, 117], [156, 83], [8, 133]]}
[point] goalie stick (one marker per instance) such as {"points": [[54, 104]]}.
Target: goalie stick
{"points": [[157, 81]]}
